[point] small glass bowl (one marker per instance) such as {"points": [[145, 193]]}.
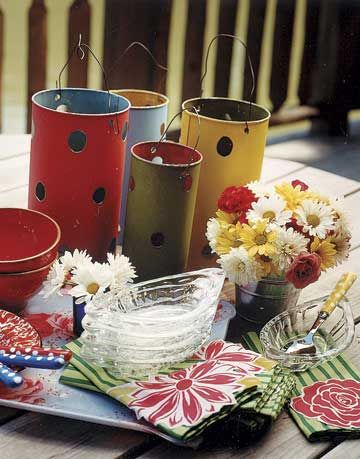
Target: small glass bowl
{"points": [[334, 336], [167, 321]]}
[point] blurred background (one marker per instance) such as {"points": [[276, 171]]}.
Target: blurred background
{"points": [[305, 54]]}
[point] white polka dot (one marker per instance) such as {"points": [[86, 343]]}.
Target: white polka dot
{"points": [[18, 380]]}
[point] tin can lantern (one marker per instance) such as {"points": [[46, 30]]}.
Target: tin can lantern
{"points": [[147, 121], [77, 164], [162, 192]]}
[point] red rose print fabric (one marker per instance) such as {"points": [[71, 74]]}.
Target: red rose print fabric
{"points": [[334, 402], [52, 327], [29, 392]]}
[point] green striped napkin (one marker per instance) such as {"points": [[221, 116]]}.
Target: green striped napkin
{"points": [[224, 389], [326, 404]]}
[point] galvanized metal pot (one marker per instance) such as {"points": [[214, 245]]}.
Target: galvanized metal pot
{"points": [[160, 209], [232, 141], [147, 120], [260, 301]]}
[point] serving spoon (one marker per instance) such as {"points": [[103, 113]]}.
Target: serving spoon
{"points": [[306, 345]]}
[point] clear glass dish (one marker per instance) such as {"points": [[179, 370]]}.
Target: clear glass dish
{"points": [[334, 336], [167, 320]]}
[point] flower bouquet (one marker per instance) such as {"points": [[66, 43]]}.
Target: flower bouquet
{"points": [[77, 275], [274, 240]]}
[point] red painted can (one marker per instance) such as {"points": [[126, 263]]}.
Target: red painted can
{"points": [[77, 165]]}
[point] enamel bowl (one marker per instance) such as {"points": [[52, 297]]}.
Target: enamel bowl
{"points": [[28, 240], [167, 321]]}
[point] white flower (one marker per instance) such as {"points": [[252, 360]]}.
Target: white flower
{"points": [[74, 260], [213, 232], [272, 208], [289, 244], [342, 224], [55, 280], [239, 267], [123, 271], [315, 218], [91, 279], [342, 246], [260, 189]]}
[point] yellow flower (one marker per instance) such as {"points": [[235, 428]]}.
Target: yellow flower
{"points": [[256, 240], [224, 217], [293, 196], [266, 266], [326, 251], [228, 238]]}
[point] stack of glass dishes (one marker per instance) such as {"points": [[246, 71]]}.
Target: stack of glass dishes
{"points": [[161, 322]]}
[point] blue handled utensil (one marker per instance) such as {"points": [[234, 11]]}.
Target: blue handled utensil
{"points": [[32, 361], [9, 377]]}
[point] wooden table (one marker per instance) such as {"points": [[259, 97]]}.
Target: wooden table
{"points": [[29, 435]]}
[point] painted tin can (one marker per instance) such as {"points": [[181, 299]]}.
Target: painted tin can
{"points": [[162, 192], [147, 121], [77, 165], [232, 141]]}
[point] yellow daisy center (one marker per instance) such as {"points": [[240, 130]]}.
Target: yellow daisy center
{"points": [[92, 288], [260, 239], [269, 214], [313, 220]]}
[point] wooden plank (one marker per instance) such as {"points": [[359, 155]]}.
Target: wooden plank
{"points": [[254, 41], [45, 437], [348, 449], [14, 198], [284, 24], [7, 414], [14, 145], [79, 23], [37, 41], [274, 168], [226, 25], [194, 42], [14, 172], [1, 58]]}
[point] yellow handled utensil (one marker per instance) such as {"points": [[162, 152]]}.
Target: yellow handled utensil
{"points": [[306, 345]]}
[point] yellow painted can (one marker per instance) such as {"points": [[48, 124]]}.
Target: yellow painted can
{"points": [[232, 141]]}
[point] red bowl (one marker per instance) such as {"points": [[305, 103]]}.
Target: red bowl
{"points": [[28, 240], [17, 288]]}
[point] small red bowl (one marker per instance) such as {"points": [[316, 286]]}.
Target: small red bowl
{"points": [[17, 288], [29, 240]]}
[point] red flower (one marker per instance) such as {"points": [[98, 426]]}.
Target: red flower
{"points": [[299, 183], [304, 270], [234, 354], [236, 199], [334, 402], [28, 392], [185, 396], [293, 224]]}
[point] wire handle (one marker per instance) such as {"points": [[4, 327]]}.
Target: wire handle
{"points": [[233, 37]]}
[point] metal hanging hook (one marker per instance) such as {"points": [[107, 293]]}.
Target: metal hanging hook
{"points": [[252, 90]]}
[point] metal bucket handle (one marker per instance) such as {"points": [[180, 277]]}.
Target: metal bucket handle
{"points": [[153, 149], [233, 37], [144, 47], [79, 50]]}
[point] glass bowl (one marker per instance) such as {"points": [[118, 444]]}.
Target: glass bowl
{"points": [[334, 336], [167, 321]]}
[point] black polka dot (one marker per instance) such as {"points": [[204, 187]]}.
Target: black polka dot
{"points": [[99, 195], [157, 239], [124, 131], [40, 191], [77, 141], [224, 146], [112, 246]]}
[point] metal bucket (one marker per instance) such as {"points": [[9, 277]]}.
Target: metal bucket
{"points": [[260, 301], [161, 201], [147, 121], [77, 164], [232, 142]]}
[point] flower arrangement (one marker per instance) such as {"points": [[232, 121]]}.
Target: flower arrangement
{"points": [[77, 275], [288, 230]]}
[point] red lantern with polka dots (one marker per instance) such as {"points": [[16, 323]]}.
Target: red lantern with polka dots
{"points": [[77, 163]]}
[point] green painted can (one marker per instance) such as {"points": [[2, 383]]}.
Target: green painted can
{"points": [[160, 208]]}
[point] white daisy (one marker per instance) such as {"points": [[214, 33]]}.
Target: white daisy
{"points": [[239, 267], [341, 216], [90, 280], [272, 208], [123, 271], [315, 218], [73, 260], [290, 244], [342, 246], [55, 280], [213, 231], [260, 189]]}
